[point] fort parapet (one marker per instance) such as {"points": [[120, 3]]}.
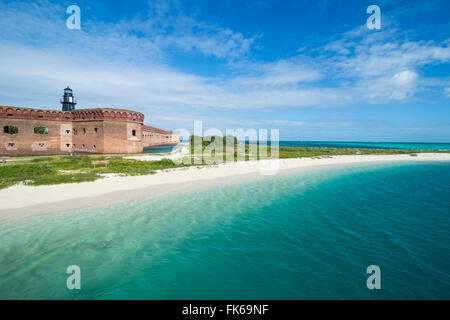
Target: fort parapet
{"points": [[27, 131], [107, 114]]}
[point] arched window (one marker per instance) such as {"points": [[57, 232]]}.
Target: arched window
{"points": [[10, 130], [133, 132], [40, 130]]}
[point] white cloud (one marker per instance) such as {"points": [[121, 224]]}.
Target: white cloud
{"points": [[447, 91], [110, 65], [279, 74], [405, 78]]}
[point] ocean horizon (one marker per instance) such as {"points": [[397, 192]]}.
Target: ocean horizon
{"points": [[308, 235], [366, 145], [436, 146]]}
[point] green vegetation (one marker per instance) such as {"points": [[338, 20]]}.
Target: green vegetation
{"points": [[211, 146], [46, 170], [32, 174], [212, 142], [10, 130], [41, 130], [297, 152], [67, 169]]}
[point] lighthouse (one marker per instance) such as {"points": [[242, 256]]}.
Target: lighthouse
{"points": [[68, 102]]}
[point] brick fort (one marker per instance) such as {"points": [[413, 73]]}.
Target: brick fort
{"points": [[27, 131]]}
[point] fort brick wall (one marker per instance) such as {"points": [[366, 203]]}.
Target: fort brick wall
{"points": [[154, 137], [26, 131], [87, 137], [26, 141]]}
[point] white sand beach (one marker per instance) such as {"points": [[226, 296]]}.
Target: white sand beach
{"points": [[22, 201]]}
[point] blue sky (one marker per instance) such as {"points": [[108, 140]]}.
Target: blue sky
{"points": [[310, 68]]}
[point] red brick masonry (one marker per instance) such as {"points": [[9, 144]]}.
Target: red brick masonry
{"points": [[26, 131]]}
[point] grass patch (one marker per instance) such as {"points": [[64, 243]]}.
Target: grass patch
{"points": [[62, 178], [49, 170], [301, 152]]}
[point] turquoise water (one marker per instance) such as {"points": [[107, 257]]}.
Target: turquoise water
{"points": [[336, 144], [370, 145], [161, 149], [303, 236]]}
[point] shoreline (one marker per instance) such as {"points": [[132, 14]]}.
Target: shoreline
{"points": [[22, 201]]}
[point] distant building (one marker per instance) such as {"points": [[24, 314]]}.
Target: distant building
{"points": [[26, 131]]}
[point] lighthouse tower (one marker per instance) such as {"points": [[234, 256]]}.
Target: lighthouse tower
{"points": [[68, 102]]}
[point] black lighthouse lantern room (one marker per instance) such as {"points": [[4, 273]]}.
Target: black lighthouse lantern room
{"points": [[68, 102]]}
